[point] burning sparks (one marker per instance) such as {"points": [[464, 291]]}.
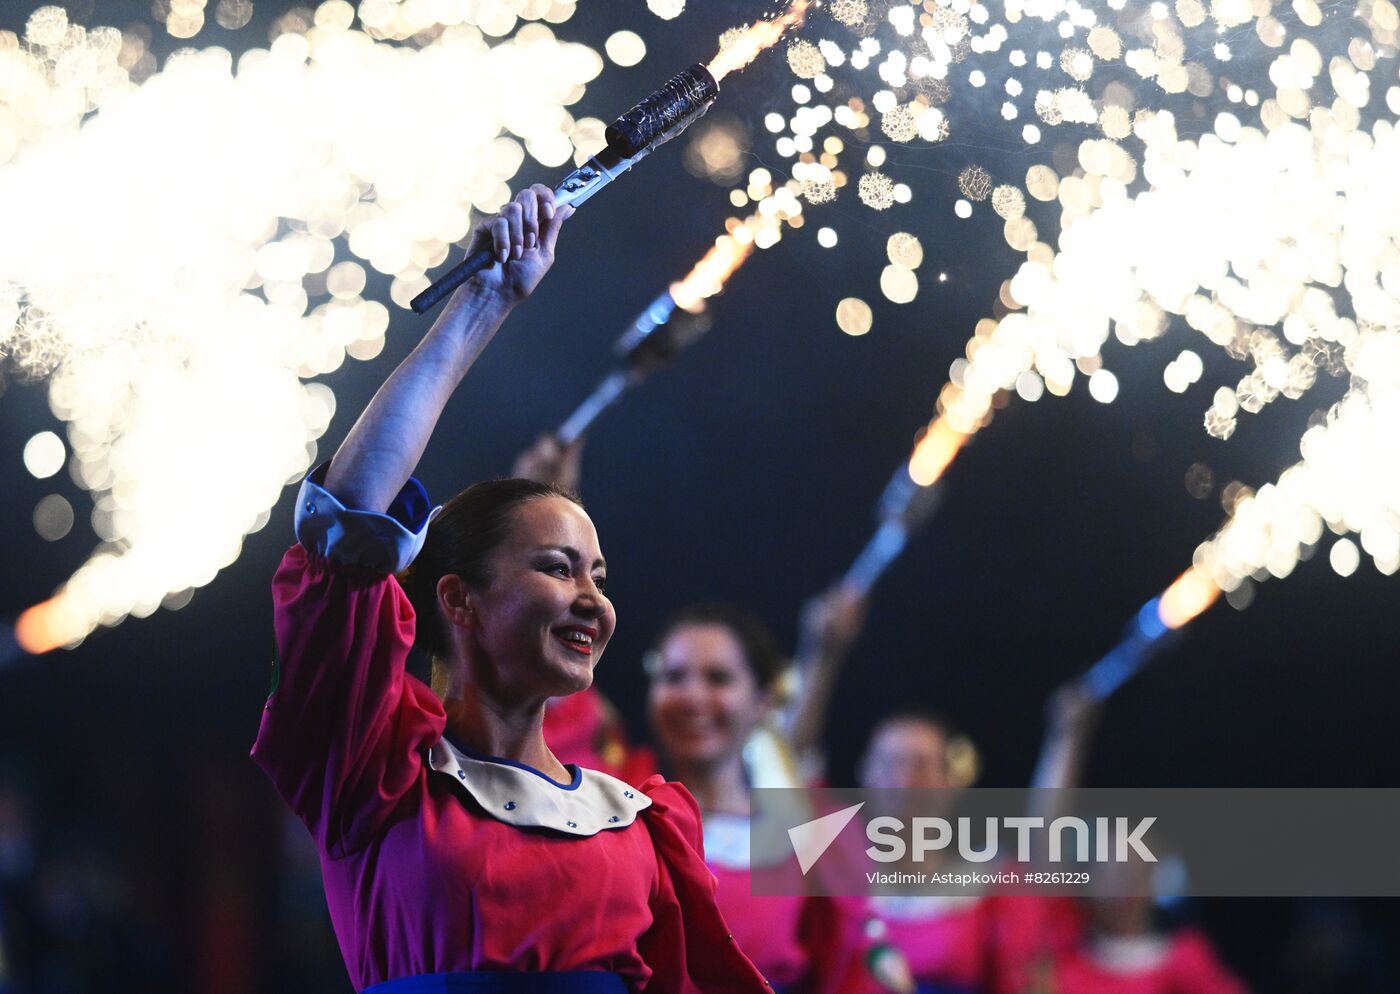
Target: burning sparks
{"points": [[899, 124], [876, 191], [1341, 484], [1008, 202], [709, 275], [850, 12], [1270, 236], [745, 45], [853, 316], [819, 191], [935, 452], [904, 250], [197, 268], [201, 267], [805, 60], [975, 183], [1186, 598]]}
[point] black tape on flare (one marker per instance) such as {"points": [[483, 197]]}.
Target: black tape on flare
{"points": [[685, 96]]}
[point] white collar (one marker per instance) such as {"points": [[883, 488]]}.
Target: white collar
{"points": [[727, 841], [1130, 953], [522, 796], [922, 907]]}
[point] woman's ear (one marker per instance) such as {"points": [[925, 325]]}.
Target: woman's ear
{"points": [[454, 599]]}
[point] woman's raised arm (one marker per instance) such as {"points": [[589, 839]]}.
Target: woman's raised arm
{"points": [[1072, 717], [384, 446], [830, 624]]}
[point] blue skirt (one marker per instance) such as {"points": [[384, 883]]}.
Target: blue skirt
{"points": [[571, 982]]}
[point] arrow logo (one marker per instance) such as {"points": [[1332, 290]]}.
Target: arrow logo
{"points": [[812, 838]]}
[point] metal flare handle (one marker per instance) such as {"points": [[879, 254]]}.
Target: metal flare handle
{"points": [[577, 187], [903, 507], [452, 279], [1143, 641], [631, 138]]}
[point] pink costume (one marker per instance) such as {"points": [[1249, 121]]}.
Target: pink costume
{"points": [[944, 940], [998, 943], [436, 861], [1026, 936], [812, 945]]}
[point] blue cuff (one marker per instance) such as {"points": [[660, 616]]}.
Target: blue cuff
{"points": [[382, 543]]}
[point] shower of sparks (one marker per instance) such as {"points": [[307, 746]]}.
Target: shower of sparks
{"points": [[1346, 482], [178, 285], [935, 452], [1340, 485], [740, 47], [1270, 233], [1253, 243], [157, 307], [775, 206], [1187, 597], [713, 270]]}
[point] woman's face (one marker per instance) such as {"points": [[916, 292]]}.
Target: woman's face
{"points": [[906, 754], [542, 621], [704, 701]]}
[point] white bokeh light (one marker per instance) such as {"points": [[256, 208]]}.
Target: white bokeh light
{"points": [[43, 455]]}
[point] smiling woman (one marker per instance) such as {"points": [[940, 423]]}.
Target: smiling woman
{"points": [[713, 668], [530, 550], [455, 847]]}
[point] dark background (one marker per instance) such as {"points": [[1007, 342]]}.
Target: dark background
{"points": [[748, 473]]}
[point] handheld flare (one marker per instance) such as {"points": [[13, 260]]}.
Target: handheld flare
{"points": [[745, 44], [904, 505], [650, 343], [660, 333], [631, 138], [908, 500], [1150, 631]]}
